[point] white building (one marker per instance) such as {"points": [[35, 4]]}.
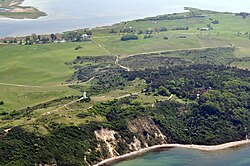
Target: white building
{"points": [[84, 95]]}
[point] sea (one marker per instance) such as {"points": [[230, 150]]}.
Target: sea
{"points": [[239, 156], [66, 15]]}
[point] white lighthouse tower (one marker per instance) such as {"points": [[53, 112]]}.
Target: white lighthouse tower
{"points": [[84, 95]]}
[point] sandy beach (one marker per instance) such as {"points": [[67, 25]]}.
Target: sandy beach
{"points": [[113, 160]]}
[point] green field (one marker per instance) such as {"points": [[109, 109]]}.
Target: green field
{"points": [[38, 65], [231, 31], [37, 72], [41, 64]]}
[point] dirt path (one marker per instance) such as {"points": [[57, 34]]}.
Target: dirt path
{"points": [[121, 66], [66, 105], [19, 85], [127, 95], [189, 49], [117, 57], [72, 102], [49, 86], [170, 97]]}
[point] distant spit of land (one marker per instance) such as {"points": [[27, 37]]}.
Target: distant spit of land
{"points": [[12, 9]]}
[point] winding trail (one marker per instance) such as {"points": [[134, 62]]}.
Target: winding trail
{"points": [[121, 66], [117, 57]]}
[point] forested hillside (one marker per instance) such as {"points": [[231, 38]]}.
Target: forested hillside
{"points": [[213, 108]]}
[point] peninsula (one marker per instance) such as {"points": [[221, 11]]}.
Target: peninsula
{"points": [[12, 9]]}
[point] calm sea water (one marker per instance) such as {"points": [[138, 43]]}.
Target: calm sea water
{"points": [[184, 157], [73, 14]]}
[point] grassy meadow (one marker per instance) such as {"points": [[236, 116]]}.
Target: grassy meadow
{"points": [[231, 31], [41, 64], [38, 65]]}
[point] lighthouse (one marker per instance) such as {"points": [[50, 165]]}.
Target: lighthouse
{"points": [[84, 95]]}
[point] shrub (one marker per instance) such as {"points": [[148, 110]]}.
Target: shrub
{"points": [[129, 37]]}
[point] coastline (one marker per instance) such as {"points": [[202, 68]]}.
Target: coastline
{"points": [[16, 10], [134, 154], [57, 20]]}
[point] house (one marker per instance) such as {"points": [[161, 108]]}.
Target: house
{"points": [[204, 29], [85, 36]]}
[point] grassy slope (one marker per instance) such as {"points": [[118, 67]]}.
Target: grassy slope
{"points": [[65, 116], [38, 65], [224, 34], [41, 64]]}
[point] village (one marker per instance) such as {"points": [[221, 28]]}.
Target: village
{"points": [[52, 38]]}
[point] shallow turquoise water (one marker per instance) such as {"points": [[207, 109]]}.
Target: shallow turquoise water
{"points": [[185, 157]]}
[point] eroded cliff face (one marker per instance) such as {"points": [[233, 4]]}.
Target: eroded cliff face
{"points": [[109, 141], [141, 133], [146, 131]]}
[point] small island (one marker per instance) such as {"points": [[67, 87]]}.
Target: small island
{"points": [[12, 9]]}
